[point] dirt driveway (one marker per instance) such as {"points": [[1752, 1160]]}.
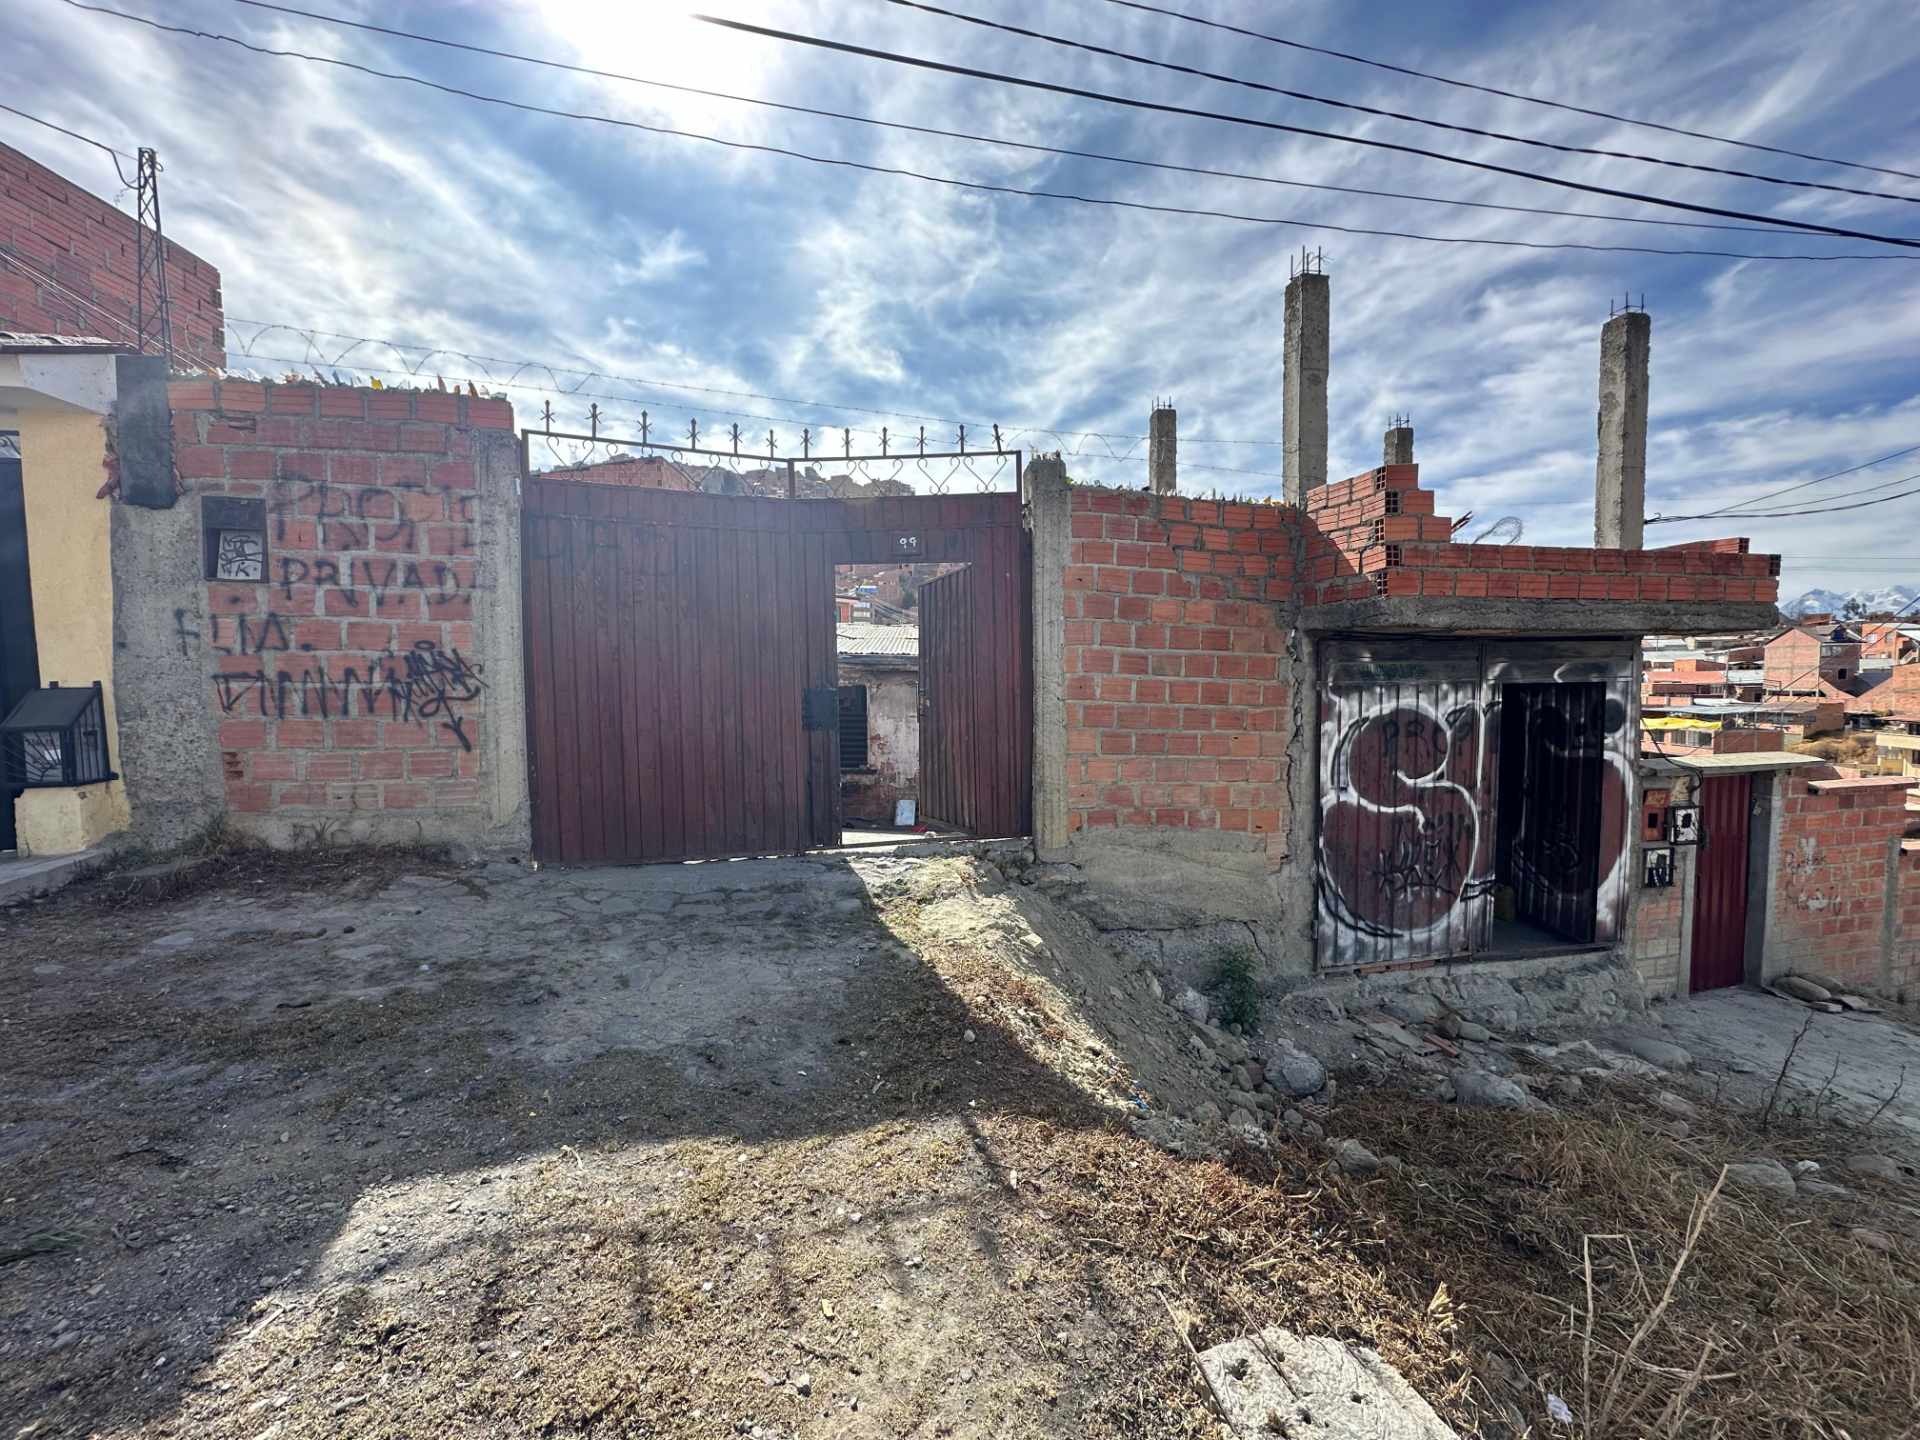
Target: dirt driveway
{"points": [[377, 1146]]}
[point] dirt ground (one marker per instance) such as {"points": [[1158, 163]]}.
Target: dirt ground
{"points": [[377, 1145]]}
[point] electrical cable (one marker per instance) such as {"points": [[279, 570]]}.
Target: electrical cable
{"points": [[112, 154], [1400, 115], [1509, 94], [1788, 514], [74, 297], [1788, 489], [997, 140], [1160, 107], [1092, 200]]}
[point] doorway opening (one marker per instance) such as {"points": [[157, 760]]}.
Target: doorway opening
{"points": [[882, 699], [1552, 768]]}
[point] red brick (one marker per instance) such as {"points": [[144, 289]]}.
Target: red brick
{"points": [[404, 797], [243, 734], [486, 414]]}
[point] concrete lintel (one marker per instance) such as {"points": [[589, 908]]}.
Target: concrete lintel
{"points": [[66, 381], [1427, 614]]}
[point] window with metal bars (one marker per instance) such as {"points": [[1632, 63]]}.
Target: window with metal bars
{"points": [[853, 727]]}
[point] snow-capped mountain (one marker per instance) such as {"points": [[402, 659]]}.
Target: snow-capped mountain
{"points": [[1887, 599]]}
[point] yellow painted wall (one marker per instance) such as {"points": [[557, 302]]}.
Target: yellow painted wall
{"points": [[70, 562]]}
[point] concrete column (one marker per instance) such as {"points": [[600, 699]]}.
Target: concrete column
{"points": [[1049, 518], [1620, 475], [1398, 449], [1304, 387], [1161, 444]]}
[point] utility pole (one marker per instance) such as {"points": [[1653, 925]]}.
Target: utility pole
{"points": [[153, 314]]}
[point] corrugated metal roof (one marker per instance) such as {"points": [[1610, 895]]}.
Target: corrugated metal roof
{"points": [[861, 639]]}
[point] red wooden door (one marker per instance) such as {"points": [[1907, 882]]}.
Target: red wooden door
{"points": [[975, 722], [1720, 889]]}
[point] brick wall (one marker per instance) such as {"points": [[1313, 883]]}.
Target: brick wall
{"points": [[1840, 847], [1177, 693], [347, 682], [1376, 534], [71, 244]]}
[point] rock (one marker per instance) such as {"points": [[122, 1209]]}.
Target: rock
{"points": [[1253, 1074], [1413, 1007], [1205, 1113], [1242, 1119], [1243, 1100], [1477, 1087], [1877, 1167], [803, 1383], [1155, 988], [1228, 1047], [1769, 1177], [968, 1036], [1857, 1002], [1347, 1389], [1192, 1004], [1353, 1157], [1294, 1072], [1455, 1028], [1676, 1105], [1822, 1190], [1872, 1239], [1805, 1167], [1566, 1087], [1654, 1050], [1802, 989], [1292, 1119]]}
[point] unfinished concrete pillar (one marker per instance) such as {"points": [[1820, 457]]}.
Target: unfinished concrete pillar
{"points": [[1161, 444], [1049, 514], [1304, 387], [1398, 448], [1620, 473]]}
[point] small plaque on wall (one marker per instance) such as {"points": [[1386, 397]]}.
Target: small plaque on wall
{"points": [[1656, 868]]}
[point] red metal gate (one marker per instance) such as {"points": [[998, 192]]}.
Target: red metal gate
{"points": [[976, 722], [1720, 889], [672, 637]]}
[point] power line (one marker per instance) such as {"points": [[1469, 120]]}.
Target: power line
{"points": [[1400, 115], [1733, 509], [112, 154], [1509, 94], [1788, 514], [1160, 107], [1062, 195], [997, 140]]}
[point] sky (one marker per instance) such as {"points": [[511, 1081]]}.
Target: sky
{"points": [[333, 201]]}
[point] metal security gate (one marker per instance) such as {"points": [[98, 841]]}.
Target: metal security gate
{"points": [[1406, 805], [1456, 777], [681, 685], [1719, 954], [19, 654], [1551, 749], [976, 719]]}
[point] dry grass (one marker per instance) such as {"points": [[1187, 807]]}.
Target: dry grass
{"points": [[1606, 1262]]}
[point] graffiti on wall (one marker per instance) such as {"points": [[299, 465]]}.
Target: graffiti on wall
{"points": [[1405, 861], [423, 683], [1413, 850]]}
